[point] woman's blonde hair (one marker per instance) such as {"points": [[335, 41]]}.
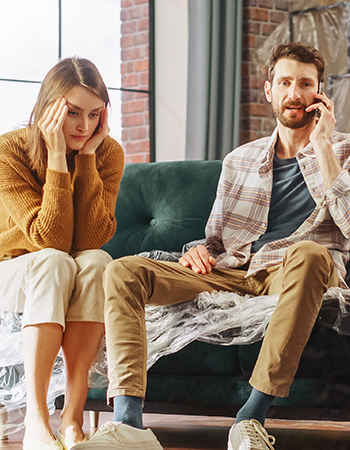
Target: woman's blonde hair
{"points": [[64, 76]]}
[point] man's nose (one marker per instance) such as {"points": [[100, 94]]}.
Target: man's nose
{"points": [[293, 92]]}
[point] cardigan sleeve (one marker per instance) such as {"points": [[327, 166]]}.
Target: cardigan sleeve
{"points": [[96, 184], [36, 217]]}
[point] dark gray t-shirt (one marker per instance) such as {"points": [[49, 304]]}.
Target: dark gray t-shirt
{"points": [[291, 202]]}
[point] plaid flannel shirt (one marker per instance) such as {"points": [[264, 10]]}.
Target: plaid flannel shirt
{"points": [[240, 211]]}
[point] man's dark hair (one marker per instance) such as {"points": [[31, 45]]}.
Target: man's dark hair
{"points": [[298, 52]]}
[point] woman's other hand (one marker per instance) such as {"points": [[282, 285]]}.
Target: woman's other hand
{"points": [[100, 133]]}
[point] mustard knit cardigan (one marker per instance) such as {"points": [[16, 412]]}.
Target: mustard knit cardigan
{"points": [[67, 211]]}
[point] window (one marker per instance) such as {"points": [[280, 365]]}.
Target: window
{"points": [[113, 34]]}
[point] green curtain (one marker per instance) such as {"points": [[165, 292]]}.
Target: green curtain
{"points": [[214, 78]]}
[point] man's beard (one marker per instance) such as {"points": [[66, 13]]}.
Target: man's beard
{"points": [[292, 121]]}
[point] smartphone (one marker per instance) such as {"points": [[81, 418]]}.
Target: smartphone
{"points": [[317, 100]]}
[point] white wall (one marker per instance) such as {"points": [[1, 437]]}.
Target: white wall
{"points": [[171, 52]]}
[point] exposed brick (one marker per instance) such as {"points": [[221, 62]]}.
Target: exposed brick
{"points": [[126, 41], [248, 41], [133, 106], [282, 5], [135, 13], [125, 135], [277, 16], [248, 136], [138, 146], [251, 28], [244, 69], [128, 27], [129, 81], [124, 15], [255, 109], [141, 66], [146, 10], [130, 53], [141, 38], [144, 79], [138, 158], [134, 120], [126, 3], [259, 14], [127, 96], [137, 133], [267, 29], [139, 2], [249, 95], [143, 25], [265, 4]]}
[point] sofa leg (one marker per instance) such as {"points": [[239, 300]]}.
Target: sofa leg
{"points": [[3, 421], [94, 415]]}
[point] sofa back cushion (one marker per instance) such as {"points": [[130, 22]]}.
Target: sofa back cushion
{"points": [[163, 205]]}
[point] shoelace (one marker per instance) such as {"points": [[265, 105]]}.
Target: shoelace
{"points": [[257, 433], [107, 428]]}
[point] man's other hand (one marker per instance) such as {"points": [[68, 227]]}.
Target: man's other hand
{"points": [[198, 259]]}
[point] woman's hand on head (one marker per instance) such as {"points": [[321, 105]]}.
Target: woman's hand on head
{"points": [[100, 133], [50, 125]]}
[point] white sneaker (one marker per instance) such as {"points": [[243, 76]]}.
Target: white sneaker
{"points": [[118, 436], [249, 435]]}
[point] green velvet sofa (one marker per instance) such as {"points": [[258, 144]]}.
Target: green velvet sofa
{"points": [[162, 206]]}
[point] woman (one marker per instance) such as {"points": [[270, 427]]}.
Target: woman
{"points": [[59, 181]]}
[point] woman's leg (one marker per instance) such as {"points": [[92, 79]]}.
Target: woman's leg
{"points": [[41, 344], [40, 285], [84, 330], [80, 346]]}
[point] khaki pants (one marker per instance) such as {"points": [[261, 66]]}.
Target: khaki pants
{"points": [[50, 286], [130, 283]]}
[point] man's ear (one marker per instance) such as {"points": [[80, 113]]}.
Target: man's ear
{"points": [[267, 88]]}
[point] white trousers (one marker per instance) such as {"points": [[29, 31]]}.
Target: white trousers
{"points": [[50, 286]]}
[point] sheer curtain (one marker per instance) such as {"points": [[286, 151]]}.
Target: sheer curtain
{"points": [[214, 78]]}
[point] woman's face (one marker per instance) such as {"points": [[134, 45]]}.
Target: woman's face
{"points": [[84, 109]]}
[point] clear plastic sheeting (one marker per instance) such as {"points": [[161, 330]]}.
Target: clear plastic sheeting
{"points": [[224, 318]]}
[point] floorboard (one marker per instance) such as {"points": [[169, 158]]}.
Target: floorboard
{"points": [[176, 432]]}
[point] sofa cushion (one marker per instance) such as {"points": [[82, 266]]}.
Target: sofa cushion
{"points": [[162, 206]]}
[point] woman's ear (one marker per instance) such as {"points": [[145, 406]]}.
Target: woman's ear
{"points": [[267, 88]]}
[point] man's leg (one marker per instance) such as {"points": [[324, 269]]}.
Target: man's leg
{"points": [[130, 283], [306, 273]]}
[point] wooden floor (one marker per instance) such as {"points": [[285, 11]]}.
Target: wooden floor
{"points": [[202, 433]]}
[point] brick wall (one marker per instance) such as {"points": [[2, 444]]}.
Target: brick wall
{"points": [[134, 69], [260, 18]]}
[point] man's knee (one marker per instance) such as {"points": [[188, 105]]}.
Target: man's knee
{"points": [[309, 252]]}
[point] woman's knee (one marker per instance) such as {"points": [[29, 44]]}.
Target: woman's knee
{"points": [[53, 261], [93, 261]]}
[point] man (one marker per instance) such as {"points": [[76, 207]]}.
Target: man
{"points": [[279, 224]]}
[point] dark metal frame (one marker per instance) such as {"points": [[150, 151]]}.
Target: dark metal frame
{"points": [[151, 80]]}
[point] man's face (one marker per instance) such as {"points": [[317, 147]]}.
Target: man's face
{"points": [[293, 89]]}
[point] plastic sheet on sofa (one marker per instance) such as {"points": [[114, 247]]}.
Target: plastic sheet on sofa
{"points": [[219, 317]]}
